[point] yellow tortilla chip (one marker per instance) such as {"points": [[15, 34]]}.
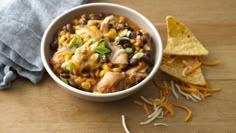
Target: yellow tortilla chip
{"points": [[176, 65], [181, 40]]}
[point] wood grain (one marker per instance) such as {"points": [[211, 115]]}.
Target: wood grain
{"points": [[45, 107]]}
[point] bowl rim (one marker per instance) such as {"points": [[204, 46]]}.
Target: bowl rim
{"points": [[119, 93]]}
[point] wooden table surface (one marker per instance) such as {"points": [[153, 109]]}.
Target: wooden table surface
{"points": [[45, 107]]}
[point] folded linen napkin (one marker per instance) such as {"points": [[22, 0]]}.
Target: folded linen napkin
{"points": [[22, 24]]}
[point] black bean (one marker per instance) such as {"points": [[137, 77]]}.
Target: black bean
{"points": [[126, 45], [110, 26], [139, 33], [148, 58], [124, 40], [54, 45], [83, 22], [132, 35], [145, 39], [70, 28], [65, 75], [73, 84], [133, 62], [130, 56], [98, 26], [126, 24], [100, 16], [130, 28]]}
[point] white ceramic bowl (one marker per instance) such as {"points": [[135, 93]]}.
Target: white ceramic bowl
{"points": [[67, 17]]}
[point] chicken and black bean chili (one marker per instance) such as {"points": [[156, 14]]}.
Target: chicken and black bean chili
{"points": [[102, 53]]}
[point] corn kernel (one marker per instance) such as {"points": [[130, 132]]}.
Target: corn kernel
{"points": [[132, 41], [77, 65], [83, 57], [77, 27], [68, 56], [117, 69], [64, 28], [62, 33], [86, 38], [106, 67], [111, 34], [75, 21], [85, 74], [141, 50], [102, 73], [97, 73], [138, 41], [121, 26], [68, 35], [62, 39], [86, 85], [93, 65], [93, 22], [92, 81], [121, 19], [94, 57], [78, 80]]}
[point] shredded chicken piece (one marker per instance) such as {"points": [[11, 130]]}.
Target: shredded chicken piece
{"points": [[104, 24], [56, 62], [137, 72], [118, 55], [111, 82]]}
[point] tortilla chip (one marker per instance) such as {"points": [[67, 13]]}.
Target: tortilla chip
{"points": [[176, 68], [181, 40]]}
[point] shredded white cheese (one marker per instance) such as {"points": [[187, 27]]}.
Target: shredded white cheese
{"points": [[165, 83], [196, 96], [173, 89], [160, 124], [154, 112], [193, 99], [152, 118], [185, 69], [171, 61], [146, 100], [183, 93], [124, 124]]}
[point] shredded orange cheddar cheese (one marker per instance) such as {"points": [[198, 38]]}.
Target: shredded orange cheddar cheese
{"points": [[138, 102], [214, 63], [161, 86], [188, 116], [193, 68], [167, 107], [208, 89], [146, 108]]}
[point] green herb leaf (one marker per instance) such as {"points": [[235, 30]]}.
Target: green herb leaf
{"points": [[75, 41], [125, 32], [117, 40], [129, 50], [102, 50], [70, 67], [100, 41], [128, 33], [64, 80], [138, 55]]}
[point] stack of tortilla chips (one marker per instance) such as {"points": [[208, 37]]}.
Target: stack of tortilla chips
{"points": [[181, 53]]}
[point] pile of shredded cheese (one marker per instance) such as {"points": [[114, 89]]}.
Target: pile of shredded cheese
{"points": [[158, 108]]}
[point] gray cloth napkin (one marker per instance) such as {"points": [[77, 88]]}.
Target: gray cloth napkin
{"points": [[22, 24]]}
